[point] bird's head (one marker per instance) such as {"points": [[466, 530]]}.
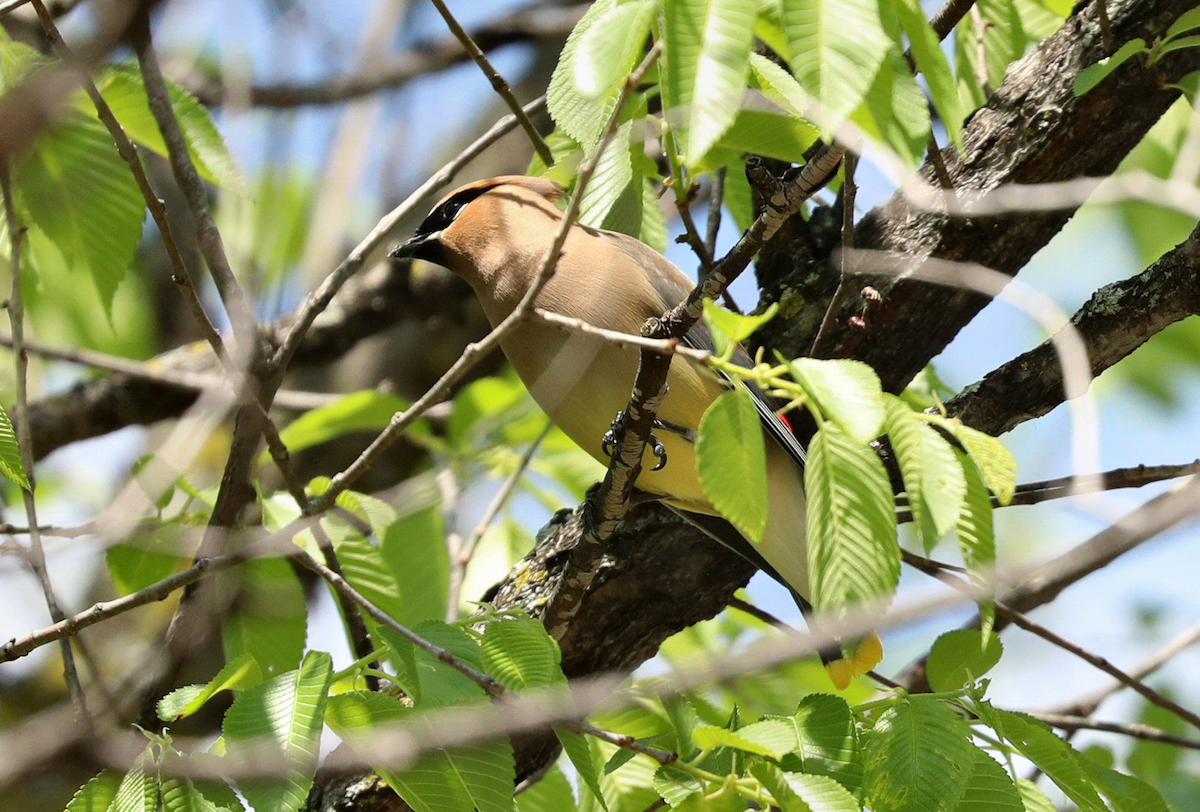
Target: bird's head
{"points": [[480, 217]]}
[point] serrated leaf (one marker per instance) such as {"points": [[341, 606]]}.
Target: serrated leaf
{"points": [[521, 654], [990, 788], [836, 48], [730, 329], [731, 458], [1184, 22], [581, 118], [97, 794], [676, 786], [404, 658], [977, 534], [720, 74], [827, 740], [799, 792], [75, 189], [123, 89], [414, 547], [770, 737], [284, 714], [933, 476], [609, 47], [846, 392], [780, 86], [931, 60], [365, 568], [237, 675], [995, 461], [136, 564], [896, 111], [613, 182], [1124, 792], [581, 754], [268, 619], [853, 554], [10, 453], [1057, 759], [1093, 75], [918, 758], [961, 657], [1033, 798], [653, 230], [551, 794], [761, 132], [181, 795], [138, 791], [460, 779]]}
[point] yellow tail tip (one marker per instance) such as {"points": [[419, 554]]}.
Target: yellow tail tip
{"points": [[867, 654]]}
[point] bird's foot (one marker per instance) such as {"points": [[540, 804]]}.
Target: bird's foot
{"points": [[616, 433]]}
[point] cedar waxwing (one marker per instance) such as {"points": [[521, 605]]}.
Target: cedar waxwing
{"points": [[495, 234]]}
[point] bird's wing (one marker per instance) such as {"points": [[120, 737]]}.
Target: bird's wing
{"points": [[674, 286]]}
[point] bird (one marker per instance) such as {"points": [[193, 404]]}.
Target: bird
{"points": [[496, 234]]}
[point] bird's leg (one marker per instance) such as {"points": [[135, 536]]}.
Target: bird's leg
{"points": [[616, 432]]}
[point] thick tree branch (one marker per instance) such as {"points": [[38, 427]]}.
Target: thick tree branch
{"points": [[1117, 320]]}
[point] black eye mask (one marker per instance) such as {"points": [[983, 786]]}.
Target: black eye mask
{"points": [[424, 244]]}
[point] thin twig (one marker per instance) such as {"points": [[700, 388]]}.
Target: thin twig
{"points": [[1133, 730], [36, 554], [498, 83], [320, 298], [716, 200], [691, 235], [1087, 705], [1106, 29], [474, 352], [849, 192]]}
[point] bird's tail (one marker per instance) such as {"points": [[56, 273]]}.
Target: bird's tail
{"points": [[844, 660]]}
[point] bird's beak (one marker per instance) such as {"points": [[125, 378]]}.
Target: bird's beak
{"points": [[412, 247]]}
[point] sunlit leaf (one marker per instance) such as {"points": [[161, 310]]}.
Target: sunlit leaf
{"points": [[236, 675], [961, 657], [918, 758], [731, 458], [847, 392]]}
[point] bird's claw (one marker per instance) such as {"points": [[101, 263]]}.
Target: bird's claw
{"points": [[612, 439]]}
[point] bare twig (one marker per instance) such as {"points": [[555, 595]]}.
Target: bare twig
{"points": [[36, 555], [949, 15], [1133, 730], [716, 200], [497, 81], [1106, 29], [843, 289], [691, 235]]}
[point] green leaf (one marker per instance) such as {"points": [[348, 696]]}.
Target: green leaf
{"points": [[780, 86], [653, 230], [612, 184], [931, 59], [1185, 22], [731, 458], [676, 786], [367, 410], [770, 737], [285, 714], [996, 463], [236, 675], [582, 118], [138, 791], [269, 617], [729, 329], [846, 392], [97, 794], [442, 684], [896, 111], [404, 652], [918, 758], [123, 89], [761, 132], [1057, 759], [1124, 792], [853, 555], [462, 779], [521, 654], [1034, 799], [364, 566], [828, 740], [977, 535], [609, 48], [836, 48], [143, 561], [181, 795], [721, 70], [551, 794], [799, 792], [990, 788], [1093, 75], [933, 476], [579, 751], [10, 453], [414, 547], [75, 189], [961, 657]]}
